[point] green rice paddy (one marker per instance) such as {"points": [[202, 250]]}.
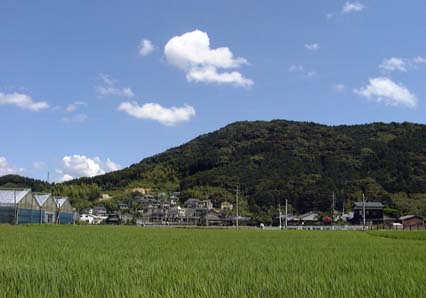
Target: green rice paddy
{"points": [[104, 261]]}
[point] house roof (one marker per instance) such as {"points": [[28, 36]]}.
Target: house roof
{"points": [[42, 199], [409, 217], [310, 216], [11, 196], [368, 205]]}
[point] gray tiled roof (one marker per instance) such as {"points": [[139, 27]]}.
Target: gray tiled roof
{"points": [[9, 196], [368, 205]]}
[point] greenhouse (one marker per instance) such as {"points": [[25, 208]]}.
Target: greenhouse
{"points": [[47, 208], [18, 206], [65, 212]]}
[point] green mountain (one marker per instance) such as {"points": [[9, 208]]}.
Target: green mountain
{"points": [[277, 160]]}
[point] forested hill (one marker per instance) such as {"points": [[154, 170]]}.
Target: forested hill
{"points": [[299, 161]]}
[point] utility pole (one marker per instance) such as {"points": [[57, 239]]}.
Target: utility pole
{"points": [[332, 207], [286, 212], [16, 207], [280, 215], [237, 193], [363, 211]]}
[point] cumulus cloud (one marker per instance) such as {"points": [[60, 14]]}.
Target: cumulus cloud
{"points": [[153, 111], [6, 168], [191, 52], [23, 101], [312, 47], [400, 64], [384, 90], [111, 89], [350, 7], [145, 47], [393, 64], [83, 166]]}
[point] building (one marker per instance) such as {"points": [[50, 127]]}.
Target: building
{"points": [[192, 203], [309, 218], [47, 207], [373, 213], [412, 220], [18, 206], [226, 206], [64, 211]]}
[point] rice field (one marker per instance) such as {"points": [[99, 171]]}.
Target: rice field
{"points": [[104, 261]]}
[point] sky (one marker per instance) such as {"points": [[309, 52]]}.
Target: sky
{"points": [[88, 87]]}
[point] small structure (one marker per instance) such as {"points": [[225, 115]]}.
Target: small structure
{"points": [[47, 206], [64, 211], [373, 213], [100, 211], [412, 220], [18, 206]]}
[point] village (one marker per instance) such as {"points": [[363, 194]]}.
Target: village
{"points": [[22, 206]]}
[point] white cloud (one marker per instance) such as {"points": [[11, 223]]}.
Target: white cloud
{"points": [[400, 64], [153, 111], [350, 7], [65, 178], [78, 118], [107, 79], [339, 87], [83, 166], [74, 106], [111, 89], [191, 52], [145, 47], [39, 165], [295, 68], [301, 69], [105, 91], [6, 168], [312, 46], [393, 64], [384, 90], [23, 101]]}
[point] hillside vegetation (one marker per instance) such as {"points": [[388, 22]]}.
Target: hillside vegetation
{"points": [[278, 160]]}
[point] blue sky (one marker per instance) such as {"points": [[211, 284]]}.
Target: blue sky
{"points": [[91, 86]]}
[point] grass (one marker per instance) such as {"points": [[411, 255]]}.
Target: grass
{"points": [[103, 261]]}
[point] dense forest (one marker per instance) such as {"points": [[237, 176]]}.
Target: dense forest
{"points": [[277, 160]]}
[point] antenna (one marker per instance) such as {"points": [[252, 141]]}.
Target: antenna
{"points": [[48, 177]]}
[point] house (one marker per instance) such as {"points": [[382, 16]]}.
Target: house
{"points": [[412, 220], [373, 213], [64, 211], [309, 218], [226, 206], [232, 220], [47, 206], [192, 203], [206, 204], [213, 218], [18, 206]]}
